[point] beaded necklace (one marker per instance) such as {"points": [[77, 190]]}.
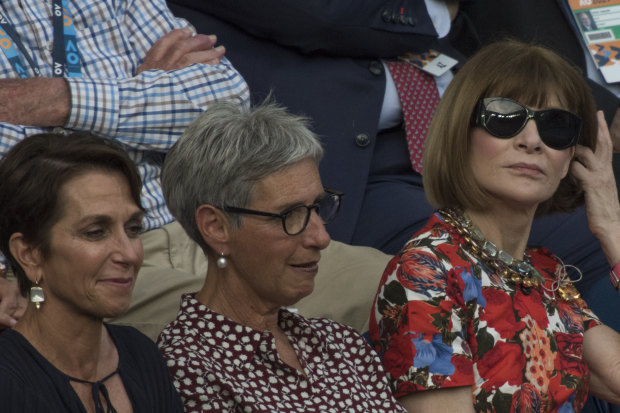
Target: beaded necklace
{"points": [[518, 272]]}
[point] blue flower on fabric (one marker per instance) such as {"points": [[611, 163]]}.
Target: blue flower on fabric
{"points": [[473, 287], [434, 354], [568, 406]]}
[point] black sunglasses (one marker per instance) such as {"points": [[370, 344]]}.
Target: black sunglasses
{"points": [[295, 219], [505, 118]]}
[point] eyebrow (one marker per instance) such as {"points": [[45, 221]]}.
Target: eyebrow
{"points": [[299, 203], [105, 219]]}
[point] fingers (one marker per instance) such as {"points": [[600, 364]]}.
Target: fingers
{"points": [[181, 45], [12, 304], [181, 48], [604, 145], [594, 169], [614, 130], [595, 173], [211, 57], [600, 159], [6, 321]]}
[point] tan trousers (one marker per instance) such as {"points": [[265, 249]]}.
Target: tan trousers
{"points": [[173, 265]]}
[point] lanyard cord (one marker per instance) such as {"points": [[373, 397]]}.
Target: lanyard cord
{"points": [[8, 46], [65, 53]]}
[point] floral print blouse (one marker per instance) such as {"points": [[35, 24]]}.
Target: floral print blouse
{"points": [[442, 318]]}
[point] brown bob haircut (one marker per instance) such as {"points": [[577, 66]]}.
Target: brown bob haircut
{"points": [[530, 74], [31, 176]]}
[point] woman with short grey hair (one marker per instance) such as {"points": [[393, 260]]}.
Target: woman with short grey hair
{"points": [[227, 151], [244, 185]]}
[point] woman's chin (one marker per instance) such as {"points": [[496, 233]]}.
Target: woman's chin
{"points": [[299, 296], [108, 312]]}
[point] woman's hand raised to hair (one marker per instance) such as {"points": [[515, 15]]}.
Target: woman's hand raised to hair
{"points": [[595, 172]]}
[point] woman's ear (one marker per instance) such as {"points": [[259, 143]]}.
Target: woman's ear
{"points": [[213, 226], [28, 257]]}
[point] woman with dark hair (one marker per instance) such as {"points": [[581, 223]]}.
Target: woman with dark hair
{"points": [[468, 316], [70, 216]]}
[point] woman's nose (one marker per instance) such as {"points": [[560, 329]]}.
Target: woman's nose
{"points": [[529, 138]]}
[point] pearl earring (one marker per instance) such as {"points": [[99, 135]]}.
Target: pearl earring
{"points": [[221, 262]]}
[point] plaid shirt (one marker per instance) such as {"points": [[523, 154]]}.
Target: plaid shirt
{"points": [[146, 113]]}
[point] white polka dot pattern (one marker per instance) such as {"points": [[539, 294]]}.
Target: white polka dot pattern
{"points": [[220, 366]]}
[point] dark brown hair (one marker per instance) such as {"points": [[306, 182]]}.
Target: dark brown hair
{"points": [[31, 176], [528, 73]]}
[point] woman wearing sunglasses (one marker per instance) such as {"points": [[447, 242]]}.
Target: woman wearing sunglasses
{"points": [[468, 317]]}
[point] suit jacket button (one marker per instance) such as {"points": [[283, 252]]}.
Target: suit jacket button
{"points": [[362, 140], [375, 67], [387, 16]]}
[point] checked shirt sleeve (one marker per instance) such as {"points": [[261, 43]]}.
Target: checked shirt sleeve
{"points": [[148, 111]]}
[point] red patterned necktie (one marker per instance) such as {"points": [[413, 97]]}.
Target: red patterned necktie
{"points": [[418, 97]]}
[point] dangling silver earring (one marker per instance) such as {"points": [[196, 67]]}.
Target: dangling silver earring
{"points": [[36, 295], [221, 262]]}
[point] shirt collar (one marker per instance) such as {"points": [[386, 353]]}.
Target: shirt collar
{"points": [[305, 337]]}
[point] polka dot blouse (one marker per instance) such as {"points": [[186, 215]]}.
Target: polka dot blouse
{"points": [[220, 366]]}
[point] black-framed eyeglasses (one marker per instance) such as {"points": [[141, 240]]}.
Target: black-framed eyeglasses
{"points": [[505, 118], [295, 219]]}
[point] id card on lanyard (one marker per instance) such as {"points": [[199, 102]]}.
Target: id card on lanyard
{"points": [[65, 54]]}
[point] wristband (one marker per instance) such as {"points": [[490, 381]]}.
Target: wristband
{"points": [[613, 276]]}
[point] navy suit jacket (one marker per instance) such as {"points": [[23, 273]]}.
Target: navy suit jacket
{"points": [[289, 48]]}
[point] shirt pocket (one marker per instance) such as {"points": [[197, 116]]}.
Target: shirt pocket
{"points": [[105, 50]]}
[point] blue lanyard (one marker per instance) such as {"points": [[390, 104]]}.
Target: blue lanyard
{"points": [[65, 54]]}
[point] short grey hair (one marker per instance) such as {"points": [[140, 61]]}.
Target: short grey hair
{"points": [[225, 151]]}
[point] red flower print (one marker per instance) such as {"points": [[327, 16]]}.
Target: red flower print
{"points": [[570, 349], [569, 316], [392, 264], [420, 318], [454, 290], [500, 314], [438, 380], [406, 387], [526, 399], [421, 271], [504, 363], [537, 351], [531, 305], [398, 358], [464, 370]]}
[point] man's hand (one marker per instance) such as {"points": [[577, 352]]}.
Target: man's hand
{"points": [[181, 48], [595, 172], [12, 304], [37, 101]]}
